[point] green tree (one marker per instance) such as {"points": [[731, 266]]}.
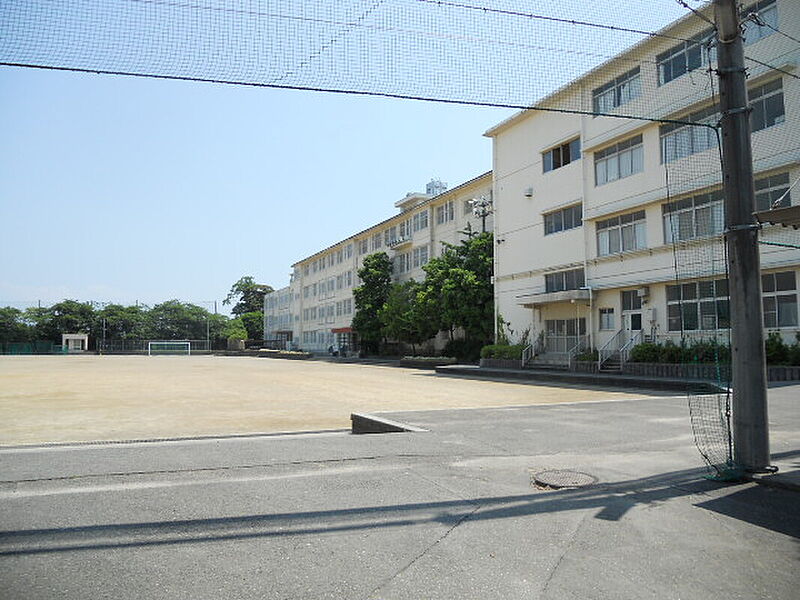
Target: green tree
{"points": [[13, 326], [369, 298], [176, 320], [457, 291], [399, 317], [253, 323], [67, 316], [247, 295], [118, 322]]}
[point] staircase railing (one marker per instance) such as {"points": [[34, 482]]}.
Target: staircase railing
{"points": [[625, 351], [573, 352], [527, 354], [611, 347]]}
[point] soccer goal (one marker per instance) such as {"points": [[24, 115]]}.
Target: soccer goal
{"points": [[169, 347]]}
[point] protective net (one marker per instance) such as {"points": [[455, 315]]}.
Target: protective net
{"points": [[651, 70]]}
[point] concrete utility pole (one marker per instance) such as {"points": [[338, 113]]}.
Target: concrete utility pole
{"points": [[750, 424]]}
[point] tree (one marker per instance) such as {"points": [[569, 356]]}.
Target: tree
{"points": [[457, 291], [399, 316], [248, 295], [253, 322], [13, 327], [176, 320], [369, 298], [67, 316], [118, 322]]}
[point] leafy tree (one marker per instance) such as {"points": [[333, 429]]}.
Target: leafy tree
{"points": [[121, 322], [67, 316], [13, 327], [176, 320], [248, 295], [369, 298], [253, 322], [399, 317], [457, 292], [230, 328]]}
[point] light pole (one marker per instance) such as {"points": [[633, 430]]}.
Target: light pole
{"points": [[482, 207]]}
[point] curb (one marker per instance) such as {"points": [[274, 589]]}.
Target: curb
{"points": [[367, 423]]}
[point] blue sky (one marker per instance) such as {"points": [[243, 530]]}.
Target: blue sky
{"points": [[123, 189]]}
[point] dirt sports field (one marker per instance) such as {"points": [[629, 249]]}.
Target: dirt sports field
{"points": [[89, 398]]}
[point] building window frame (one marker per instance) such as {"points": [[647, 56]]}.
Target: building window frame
{"points": [[698, 216], [617, 92], [561, 155], [779, 297], [621, 160], [767, 108], [563, 219], [562, 281], [686, 57], [698, 306], [623, 233], [606, 319]]}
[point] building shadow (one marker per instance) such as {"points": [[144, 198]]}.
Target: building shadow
{"points": [[769, 508]]}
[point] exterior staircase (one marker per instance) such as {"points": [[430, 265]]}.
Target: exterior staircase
{"points": [[612, 364], [549, 360]]}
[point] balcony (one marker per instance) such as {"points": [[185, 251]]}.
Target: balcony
{"points": [[399, 242], [536, 300]]}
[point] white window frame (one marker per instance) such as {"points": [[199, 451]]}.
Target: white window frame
{"points": [[698, 216], [624, 233], [619, 161]]}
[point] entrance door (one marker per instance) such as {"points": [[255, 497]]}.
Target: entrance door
{"points": [[631, 310]]}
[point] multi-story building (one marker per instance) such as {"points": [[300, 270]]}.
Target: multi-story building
{"points": [[609, 229], [319, 303]]}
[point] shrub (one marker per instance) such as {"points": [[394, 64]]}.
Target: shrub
{"points": [[776, 350], [646, 352], [504, 351], [588, 356], [466, 350]]}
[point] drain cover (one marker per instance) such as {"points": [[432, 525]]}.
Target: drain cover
{"points": [[559, 478]]}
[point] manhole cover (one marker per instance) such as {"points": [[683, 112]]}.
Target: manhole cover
{"points": [[559, 478]]}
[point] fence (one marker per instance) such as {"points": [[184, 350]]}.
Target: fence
{"points": [[140, 346], [36, 347]]}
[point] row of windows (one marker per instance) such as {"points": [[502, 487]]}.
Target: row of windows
{"points": [[329, 286], [621, 160], [327, 312], [561, 155], [683, 58], [573, 279], [705, 305], [445, 213], [411, 260]]}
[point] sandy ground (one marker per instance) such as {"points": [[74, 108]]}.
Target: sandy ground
{"points": [[89, 398]]}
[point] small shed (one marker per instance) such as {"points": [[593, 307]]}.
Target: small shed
{"points": [[75, 342]]}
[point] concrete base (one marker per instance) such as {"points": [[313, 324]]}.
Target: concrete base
{"points": [[366, 423]]}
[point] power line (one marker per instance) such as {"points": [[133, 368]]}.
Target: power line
{"points": [[769, 66]]}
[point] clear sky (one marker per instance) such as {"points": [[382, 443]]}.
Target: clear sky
{"points": [[123, 189]]}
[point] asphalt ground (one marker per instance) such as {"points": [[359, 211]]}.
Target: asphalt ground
{"points": [[449, 513], [90, 398]]}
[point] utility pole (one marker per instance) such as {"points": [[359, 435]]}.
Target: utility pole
{"points": [[750, 424]]}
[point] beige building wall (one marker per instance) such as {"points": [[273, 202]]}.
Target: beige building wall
{"points": [[323, 283], [525, 193]]}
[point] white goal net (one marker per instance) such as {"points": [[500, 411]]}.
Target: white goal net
{"points": [[155, 348]]}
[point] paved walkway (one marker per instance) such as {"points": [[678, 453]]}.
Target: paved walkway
{"points": [[448, 514]]}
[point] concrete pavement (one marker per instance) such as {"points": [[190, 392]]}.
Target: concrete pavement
{"points": [[450, 513]]}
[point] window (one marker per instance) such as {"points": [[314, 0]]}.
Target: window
{"points": [[563, 334], [306, 291], [347, 307], [686, 57], [617, 92], [348, 279], [339, 256], [331, 285], [339, 281], [694, 217], [348, 251], [390, 236], [679, 141], [766, 102], [561, 220], [444, 213], [771, 192], [564, 280], [362, 246], [305, 270], [621, 234], [780, 299], [420, 221], [561, 155], [700, 305], [631, 300], [402, 263], [377, 241], [768, 14], [420, 256], [314, 290], [606, 319], [619, 161]]}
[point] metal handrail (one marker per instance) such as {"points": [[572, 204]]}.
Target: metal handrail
{"points": [[573, 352], [610, 347], [527, 354], [624, 352]]}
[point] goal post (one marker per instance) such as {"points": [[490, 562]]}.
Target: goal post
{"points": [[155, 348]]}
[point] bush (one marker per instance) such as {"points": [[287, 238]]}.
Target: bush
{"points": [[466, 350], [776, 350], [588, 356], [503, 351], [646, 353]]}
